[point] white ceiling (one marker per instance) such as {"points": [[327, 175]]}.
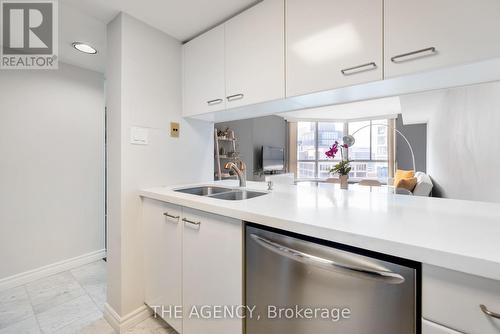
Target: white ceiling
{"points": [[76, 26], [181, 19]]}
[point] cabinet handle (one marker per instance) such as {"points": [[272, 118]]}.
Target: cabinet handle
{"points": [[191, 222], [214, 102], [488, 312], [420, 53], [235, 97], [358, 69], [168, 215]]}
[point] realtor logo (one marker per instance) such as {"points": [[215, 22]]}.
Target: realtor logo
{"points": [[29, 34]]}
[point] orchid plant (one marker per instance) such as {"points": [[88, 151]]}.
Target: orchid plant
{"points": [[343, 167]]}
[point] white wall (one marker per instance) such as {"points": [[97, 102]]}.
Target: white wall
{"points": [[114, 160], [144, 90], [463, 142], [51, 167]]}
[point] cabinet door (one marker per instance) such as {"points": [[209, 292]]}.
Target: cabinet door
{"points": [[453, 299], [432, 328], [203, 80], [212, 269], [255, 56], [163, 258], [439, 33], [332, 44]]}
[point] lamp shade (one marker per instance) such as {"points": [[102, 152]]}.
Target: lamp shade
{"points": [[349, 140]]}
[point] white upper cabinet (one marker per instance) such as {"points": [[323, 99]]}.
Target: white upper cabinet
{"points": [[429, 34], [332, 44], [279, 49], [203, 81], [238, 63], [255, 55]]}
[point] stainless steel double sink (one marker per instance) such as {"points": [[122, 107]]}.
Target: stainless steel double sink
{"points": [[228, 194]]}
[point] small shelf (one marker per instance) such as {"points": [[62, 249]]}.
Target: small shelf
{"points": [[226, 177], [228, 157], [225, 139], [222, 159]]}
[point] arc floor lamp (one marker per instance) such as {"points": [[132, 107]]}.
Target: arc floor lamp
{"points": [[350, 140]]}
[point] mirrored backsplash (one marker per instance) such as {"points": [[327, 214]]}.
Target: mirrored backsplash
{"points": [[453, 134]]}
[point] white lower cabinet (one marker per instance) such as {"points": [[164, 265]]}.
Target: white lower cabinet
{"points": [[162, 258], [212, 270], [193, 260], [453, 299], [433, 328]]}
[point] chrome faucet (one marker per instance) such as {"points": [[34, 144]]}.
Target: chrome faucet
{"points": [[240, 172]]}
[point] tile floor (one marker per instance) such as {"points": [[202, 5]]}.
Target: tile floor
{"points": [[68, 303]]}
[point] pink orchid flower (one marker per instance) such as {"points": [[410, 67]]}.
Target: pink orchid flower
{"points": [[333, 150]]}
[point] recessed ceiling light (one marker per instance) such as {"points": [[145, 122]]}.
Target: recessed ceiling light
{"points": [[84, 47]]}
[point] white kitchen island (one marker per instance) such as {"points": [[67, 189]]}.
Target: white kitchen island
{"points": [[458, 242], [454, 234]]}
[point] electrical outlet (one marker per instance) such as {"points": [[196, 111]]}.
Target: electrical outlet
{"points": [[174, 130]]}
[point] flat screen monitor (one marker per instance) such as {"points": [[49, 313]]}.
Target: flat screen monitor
{"points": [[273, 158]]}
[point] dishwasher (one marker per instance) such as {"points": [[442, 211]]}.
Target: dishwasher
{"points": [[298, 285]]}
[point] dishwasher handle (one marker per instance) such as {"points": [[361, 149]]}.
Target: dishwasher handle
{"points": [[296, 255]]}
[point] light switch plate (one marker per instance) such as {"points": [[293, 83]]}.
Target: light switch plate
{"points": [[139, 136], [174, 129]]}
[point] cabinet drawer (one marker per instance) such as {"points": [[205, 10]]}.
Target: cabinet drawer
{"points": [[452, 299], [432, 328]]}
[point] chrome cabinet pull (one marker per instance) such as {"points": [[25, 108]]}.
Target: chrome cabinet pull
{"points": [[191, 222], [419, 53], [235, 97], [358, 69], [488, 312], [214, 102], [168, 215], [330, 265]]}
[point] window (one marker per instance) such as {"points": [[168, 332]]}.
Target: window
{"points": [[370, 154]]}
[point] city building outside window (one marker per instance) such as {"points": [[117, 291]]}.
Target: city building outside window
{"points": [[372, 155]]}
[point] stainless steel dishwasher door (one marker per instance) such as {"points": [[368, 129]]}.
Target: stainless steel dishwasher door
{"points": [[290, 274]]}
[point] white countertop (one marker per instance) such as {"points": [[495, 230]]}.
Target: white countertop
{"points": [[454, 234]]}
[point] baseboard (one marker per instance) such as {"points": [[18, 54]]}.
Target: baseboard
{"points": [[122, 324], [51, 269]]}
